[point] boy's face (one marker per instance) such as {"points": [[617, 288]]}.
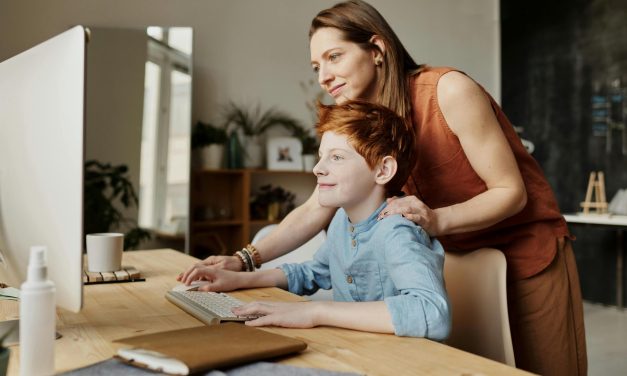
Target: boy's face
{"points": [[344, 178]]}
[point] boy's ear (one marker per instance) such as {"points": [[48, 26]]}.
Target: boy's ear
{"points": [[386, 170]]}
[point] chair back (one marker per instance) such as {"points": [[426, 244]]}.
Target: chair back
{"points": [[477, 289]]}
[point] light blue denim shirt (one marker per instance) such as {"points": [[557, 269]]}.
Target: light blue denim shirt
{"points": [[392, 260]]}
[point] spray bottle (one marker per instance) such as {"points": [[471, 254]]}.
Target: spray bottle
{"points": [[37, 318]]}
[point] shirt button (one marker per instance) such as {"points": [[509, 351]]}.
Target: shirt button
{"points": [[349, 279], [354, 242]]}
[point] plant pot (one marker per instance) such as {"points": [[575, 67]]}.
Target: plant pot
{"points": [[309, 161], [211, 156], [253, 156]]}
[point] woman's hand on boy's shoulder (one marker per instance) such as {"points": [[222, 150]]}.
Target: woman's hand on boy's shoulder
{"points": [[413, 209]]}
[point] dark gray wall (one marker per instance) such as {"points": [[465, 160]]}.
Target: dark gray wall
{"points": [[552, 55]]}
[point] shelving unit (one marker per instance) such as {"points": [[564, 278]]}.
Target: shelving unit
{"points": [[220, 206]]}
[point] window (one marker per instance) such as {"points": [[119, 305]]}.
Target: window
{"points": [[165, 150]]}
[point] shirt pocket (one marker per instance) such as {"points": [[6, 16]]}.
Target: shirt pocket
{"points": [[366, 276]]}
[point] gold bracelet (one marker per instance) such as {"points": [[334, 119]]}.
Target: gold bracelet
{"points": [[256, 256]]}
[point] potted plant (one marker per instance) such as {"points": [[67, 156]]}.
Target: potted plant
{"points": [[253, 123], [208, 143], [107, 189], [310, 146], [271, 203]]}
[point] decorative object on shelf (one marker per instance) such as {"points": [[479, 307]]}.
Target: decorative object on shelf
{"points": [[271, 203], [107, 188], [208, 145], [284, 153], [234, 152], [618, 204], [595, 194], [310, 146], [253, 123]]}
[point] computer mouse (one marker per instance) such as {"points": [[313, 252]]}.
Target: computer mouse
{"points": [[191, 287]]}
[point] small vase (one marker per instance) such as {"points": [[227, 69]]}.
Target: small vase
{"points": [[253, 152], [309, 161]]}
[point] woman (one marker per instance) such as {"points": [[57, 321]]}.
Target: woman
{"points": [[478, 186]]}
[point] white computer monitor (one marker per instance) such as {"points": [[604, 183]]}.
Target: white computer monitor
{"points": [[41, 162]]}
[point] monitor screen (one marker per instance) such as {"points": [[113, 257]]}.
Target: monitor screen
{"points": [[41, 162]]}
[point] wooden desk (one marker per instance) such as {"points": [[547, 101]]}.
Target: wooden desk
{"points": [[113, 311], [618, 222]]}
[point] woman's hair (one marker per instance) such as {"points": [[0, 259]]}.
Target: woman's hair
{"points": [[375, 132], [359, 21]]}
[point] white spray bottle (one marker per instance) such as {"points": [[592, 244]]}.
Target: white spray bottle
{"points": [[37, 318]]}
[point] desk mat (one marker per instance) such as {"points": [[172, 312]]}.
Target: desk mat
{"points": [[126, 274], [114, 367]]}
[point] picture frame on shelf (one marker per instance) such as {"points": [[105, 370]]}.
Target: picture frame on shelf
{"points": [[284, 153]]}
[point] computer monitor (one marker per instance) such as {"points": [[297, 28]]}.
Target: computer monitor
{"points": [[41, 162]]}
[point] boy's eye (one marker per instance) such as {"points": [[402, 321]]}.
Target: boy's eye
{"points": [[336, 157]]}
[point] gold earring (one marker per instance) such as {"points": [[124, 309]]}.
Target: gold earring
{"points": [[378, 62]]}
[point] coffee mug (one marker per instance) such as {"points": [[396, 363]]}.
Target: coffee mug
{"points": [[104, 252]]}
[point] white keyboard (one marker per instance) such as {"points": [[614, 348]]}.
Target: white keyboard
{"points": [[208, 307]]}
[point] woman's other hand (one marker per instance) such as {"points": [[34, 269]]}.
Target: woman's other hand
{"points": [[219, 280], [287, 315], [218, 262], [415, 210]]}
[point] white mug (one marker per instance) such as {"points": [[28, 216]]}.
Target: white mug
{"points": [[104, 252]]}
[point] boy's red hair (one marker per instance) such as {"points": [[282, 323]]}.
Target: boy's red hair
{"points": [[375, 132]]}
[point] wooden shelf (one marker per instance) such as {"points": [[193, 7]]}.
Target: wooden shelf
{"points": [[230, 191], [263, 222], [218, 223]]}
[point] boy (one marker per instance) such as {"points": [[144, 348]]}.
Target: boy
{"points": [[386, 275]]}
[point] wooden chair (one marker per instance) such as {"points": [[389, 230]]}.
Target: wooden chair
{"points": [[477, 289]]}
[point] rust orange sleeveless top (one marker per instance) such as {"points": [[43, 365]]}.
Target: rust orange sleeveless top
{"points": [[443, 176]]}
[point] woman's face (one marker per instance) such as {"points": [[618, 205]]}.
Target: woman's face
{"points": [[344, 70]]}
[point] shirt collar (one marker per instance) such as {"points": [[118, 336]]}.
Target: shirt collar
{"points": [[367, 223]]}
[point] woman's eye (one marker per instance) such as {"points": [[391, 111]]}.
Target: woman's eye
{"points": [[336, 157], [315, 68], [334, 56]]}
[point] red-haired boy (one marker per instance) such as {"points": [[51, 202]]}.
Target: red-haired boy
{"points": [[386, 275]]}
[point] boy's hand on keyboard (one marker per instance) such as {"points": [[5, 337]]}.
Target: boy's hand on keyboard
{"points": [[220, 280], [288, 315]]}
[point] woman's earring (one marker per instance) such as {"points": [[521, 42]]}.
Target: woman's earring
{"points": [[378, 62]]}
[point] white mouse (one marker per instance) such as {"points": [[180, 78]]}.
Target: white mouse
{"points": [[192, 286]]}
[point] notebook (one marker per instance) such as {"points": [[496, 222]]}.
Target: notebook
{"points": [[192, 350]]}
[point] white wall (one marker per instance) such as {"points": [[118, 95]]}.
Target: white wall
{"points": [[254, 51]]}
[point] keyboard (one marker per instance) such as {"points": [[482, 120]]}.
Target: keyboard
{"points": [[208, 307]]}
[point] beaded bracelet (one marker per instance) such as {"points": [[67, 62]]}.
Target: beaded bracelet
{"points": [[255, 253], [240, 257], [249, 260], [247, 264]]}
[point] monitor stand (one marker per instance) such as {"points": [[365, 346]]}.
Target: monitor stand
{"points": [[10, 332]]}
